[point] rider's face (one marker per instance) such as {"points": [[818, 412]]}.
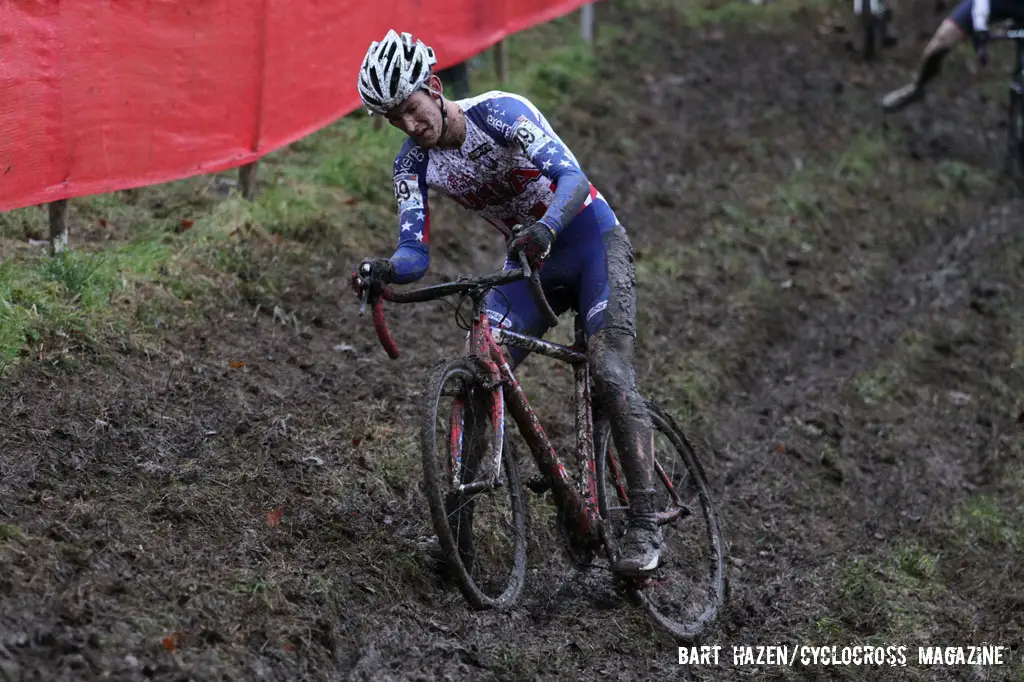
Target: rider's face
{"points": [[419, 117]]}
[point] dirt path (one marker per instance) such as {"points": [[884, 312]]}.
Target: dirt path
{"points": [[836, 298]]}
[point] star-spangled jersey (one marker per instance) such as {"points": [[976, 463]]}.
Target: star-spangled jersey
{"points": [[512, 169]]}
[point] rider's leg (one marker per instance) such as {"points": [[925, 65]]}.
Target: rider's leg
{"points": [[951, 32], [608, 302], [597, 267], [511, 306]]}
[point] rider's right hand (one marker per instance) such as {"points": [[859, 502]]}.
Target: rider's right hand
{"points": [[371, 272], [534, 242]]}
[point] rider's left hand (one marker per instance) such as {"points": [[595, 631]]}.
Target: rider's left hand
{"points": [[980, 39], [380, 271], [535, 242]]}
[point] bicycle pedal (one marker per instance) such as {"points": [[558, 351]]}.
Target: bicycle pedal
{"points": [[539, 484]]}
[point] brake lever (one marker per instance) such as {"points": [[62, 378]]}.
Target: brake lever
{"points": [[366, 297], [525, 263]]}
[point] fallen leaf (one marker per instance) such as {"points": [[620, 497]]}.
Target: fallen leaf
{"points": [[187, 224], [780, 448], [103, 223], [355, 442], [237, 364], [172, 641], [274, 517]]}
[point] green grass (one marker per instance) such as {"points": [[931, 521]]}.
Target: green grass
{"points": [[994, 522], [877, 599], [9, 532]]}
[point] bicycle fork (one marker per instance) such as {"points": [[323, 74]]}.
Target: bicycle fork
{"points": [[490, 466]]}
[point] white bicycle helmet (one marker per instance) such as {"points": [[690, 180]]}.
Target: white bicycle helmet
{"points": [[393, 69]]}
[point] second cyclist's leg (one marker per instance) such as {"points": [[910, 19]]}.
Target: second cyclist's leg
{"points": [[610, 321], [951, 32]]}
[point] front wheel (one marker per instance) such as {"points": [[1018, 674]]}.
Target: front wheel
{"points": [[476, 503], [688, 588]]}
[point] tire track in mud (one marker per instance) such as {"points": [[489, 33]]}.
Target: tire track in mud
{"points": [[877, 492]]}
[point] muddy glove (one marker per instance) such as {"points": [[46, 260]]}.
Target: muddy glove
{"points": [[535, 242], [372, 272], [980, 40]]}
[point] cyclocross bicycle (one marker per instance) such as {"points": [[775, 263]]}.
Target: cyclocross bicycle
{"points": [[473, 487], [1015, 109]]}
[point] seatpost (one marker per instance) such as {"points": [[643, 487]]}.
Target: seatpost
{"points": [[580, 339]]}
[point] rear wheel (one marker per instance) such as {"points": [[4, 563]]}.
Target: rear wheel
{"points": [[688, 588], [482, 531]]}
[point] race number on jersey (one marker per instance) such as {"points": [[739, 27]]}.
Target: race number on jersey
{"points": [[530, 136], [407, 192]]}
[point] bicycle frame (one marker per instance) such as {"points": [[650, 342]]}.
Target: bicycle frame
{"points": [[483, 342], [579, 503]]}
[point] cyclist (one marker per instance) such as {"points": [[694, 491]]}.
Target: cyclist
{"points": [[969, 18], [498, 156]]}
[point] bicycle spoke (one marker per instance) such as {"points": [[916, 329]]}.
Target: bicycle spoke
{"points": [[478, 513]]}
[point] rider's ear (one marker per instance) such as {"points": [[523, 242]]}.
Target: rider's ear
{"points": [[435, 86]]}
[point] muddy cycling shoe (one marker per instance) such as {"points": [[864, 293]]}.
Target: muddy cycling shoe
{"points": [[901, 97], [640, 549]]}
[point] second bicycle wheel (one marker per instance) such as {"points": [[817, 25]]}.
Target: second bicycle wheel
{"points": [[686, 591], [478, 513]]}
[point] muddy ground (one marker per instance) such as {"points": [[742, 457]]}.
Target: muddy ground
{"points": [[836, 300]]}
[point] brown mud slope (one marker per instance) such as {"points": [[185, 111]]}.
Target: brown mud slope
{"points": [[836, 300]]}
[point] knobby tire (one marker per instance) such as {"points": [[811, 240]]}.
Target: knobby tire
{"points": [[437, 487], [685, 629]]}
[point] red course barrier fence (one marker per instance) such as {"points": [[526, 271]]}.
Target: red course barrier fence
{"points": [[111, 94]]}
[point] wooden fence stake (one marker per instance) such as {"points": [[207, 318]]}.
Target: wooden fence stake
{"points": [[587, 23], [247, 179], [501, 61], [58, 226]]}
